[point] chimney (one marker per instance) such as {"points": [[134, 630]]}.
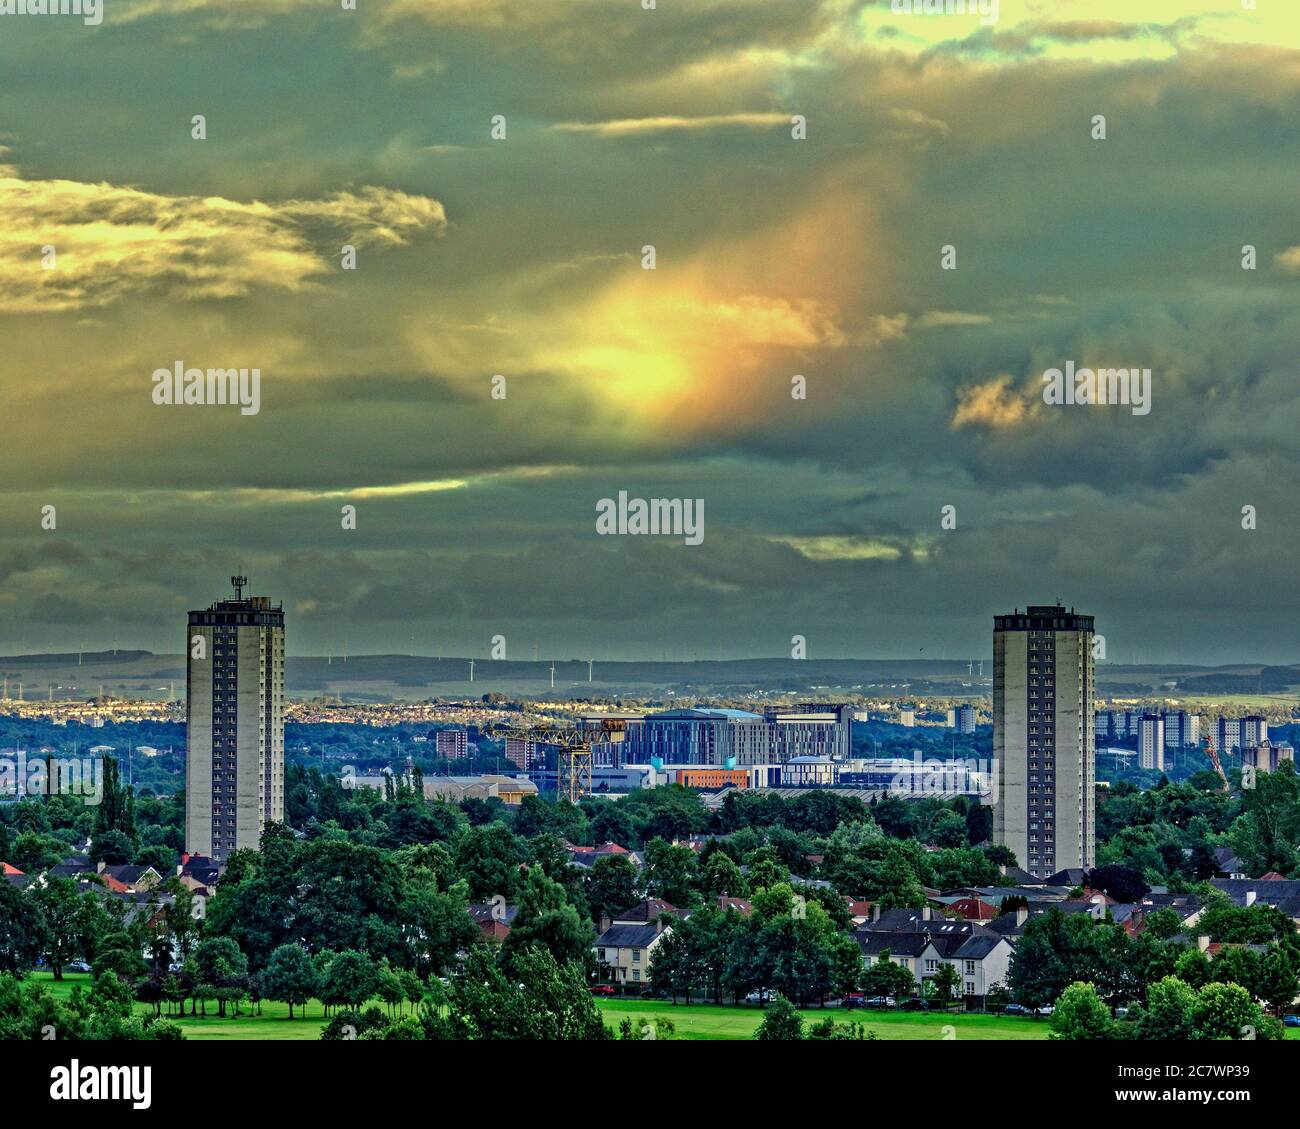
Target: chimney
{"points": [[1250, 897], [875, 911], [99, 868], [1022, 915], [1202, 943], [926, 913], [179, 870], [1002, 869], [605, 922]]}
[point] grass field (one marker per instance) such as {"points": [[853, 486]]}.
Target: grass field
{"points": [[698, 1021], [706, 1021], [273, 1023]]}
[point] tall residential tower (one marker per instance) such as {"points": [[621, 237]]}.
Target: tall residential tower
{"points": [[1043, 738], [234, 764]]}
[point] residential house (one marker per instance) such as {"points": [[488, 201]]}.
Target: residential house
{"points": [[626, 945], [494, 919]]}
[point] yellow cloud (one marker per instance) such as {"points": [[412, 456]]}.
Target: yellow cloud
{"points": [[993, 404], [627, 127], [1289, 259], [935, 318], [842, 548], [107, 242]]}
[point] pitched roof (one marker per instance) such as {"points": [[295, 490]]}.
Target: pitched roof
{"points": [[128, 874], [897, 944], [978, 947], [946, 937], [628, 937], [647, 909], [481, 912]]}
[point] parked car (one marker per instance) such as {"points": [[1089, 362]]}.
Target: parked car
{"points": [[760, 996], [855, 999], [880, 1002], [833, 1001], [603, 990], [78, 966], [1016, 1009], [1121, 1012], [1291, 1020], [1046, 1009], [916, 1005]]}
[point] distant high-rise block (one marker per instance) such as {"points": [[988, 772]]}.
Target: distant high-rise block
{"points": [[524, 753], [1181, 728], [451, 744], [966, 717], [1151, 742], [234, 743], [1254, 731], [1043, 740], [1236, 733]]}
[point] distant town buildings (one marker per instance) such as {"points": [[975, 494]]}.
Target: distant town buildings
{"points": [[1043, 737], [728, 738]]}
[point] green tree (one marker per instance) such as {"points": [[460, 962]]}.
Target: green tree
{"points": [[488, 859], [1225, 1011], [547, 919], [221, 968], [290, 977], [722, 876], [1168, 1011], [351, 978], [612, 885], [1080, 1014], [23, 931], [946, 981], [60, 906], [671, 873], [780, 1021], [535, 999]]}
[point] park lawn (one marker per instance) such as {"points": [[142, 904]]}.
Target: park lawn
{"points": [[697, 1021], [273, 1023], [708, 1021]]}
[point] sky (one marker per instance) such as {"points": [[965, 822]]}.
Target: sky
{"points": [[799, 168]]}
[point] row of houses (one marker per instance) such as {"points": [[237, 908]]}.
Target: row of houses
{"points": [[134, 890]]}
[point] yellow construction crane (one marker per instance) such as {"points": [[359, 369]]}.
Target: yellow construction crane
{"points": [[572, 744]]}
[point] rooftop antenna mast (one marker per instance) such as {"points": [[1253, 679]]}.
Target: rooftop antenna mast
{"points": [[239, 583]]}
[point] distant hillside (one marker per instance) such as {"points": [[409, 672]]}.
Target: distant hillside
{"points": [[408, 677]]}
